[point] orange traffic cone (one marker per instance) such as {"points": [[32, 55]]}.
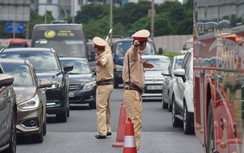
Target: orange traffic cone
{"points": [[129, 139], [121, 127]]}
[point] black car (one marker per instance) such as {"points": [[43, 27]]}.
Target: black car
{"points": [[82, 83], [8, 112], [48, 67]]}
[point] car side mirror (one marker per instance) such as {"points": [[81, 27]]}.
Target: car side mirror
{"points": [[68, 68], [180, 73], [43, 83], [6, 80]]}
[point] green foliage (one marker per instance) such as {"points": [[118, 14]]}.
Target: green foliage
{"points": [[171, 54], [171, 18]]}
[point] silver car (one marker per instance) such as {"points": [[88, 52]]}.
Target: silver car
{"points": [[153, 77], [182, 105], [168, 85]]}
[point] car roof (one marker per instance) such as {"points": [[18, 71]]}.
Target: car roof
{"points": [[155, 56], [127, 39], [15, 61], [72, 58], [27, 49]]}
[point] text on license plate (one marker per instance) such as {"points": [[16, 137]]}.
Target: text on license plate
{"points": [[71, 94], [154, 87]]}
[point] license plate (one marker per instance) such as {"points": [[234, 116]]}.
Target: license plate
{"points": [[154, 87], [71, 94]]}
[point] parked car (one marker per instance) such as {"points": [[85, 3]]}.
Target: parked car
{"points": [[31, 98], [119, 48], [7, 114], [153, 77], [47, 66], [82, 83], [168, 85], [182, 104]]}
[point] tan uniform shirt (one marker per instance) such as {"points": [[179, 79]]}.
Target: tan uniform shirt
{"points": [[105, 71], [136, 68]]}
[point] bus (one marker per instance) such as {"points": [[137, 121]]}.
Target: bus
{"points": [[68, 40], [219, 74]]}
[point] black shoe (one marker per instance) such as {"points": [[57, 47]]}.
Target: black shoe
{"points": [[100, 136], [109, 133]]}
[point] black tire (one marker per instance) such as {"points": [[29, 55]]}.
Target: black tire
{"points": [[210, 148], [187, 127], [37, 138], [176, 122], [164, 105], [116, 84], [45, 127], [62, 117], [13, 139], [68, 112]]}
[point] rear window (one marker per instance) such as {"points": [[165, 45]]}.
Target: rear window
{"points": [[42, 61]]}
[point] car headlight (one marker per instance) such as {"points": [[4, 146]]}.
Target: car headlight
{"points": [[33, 103], [89, 86]]}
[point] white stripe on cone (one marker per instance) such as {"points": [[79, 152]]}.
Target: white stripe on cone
{"points": [[129, 141]]}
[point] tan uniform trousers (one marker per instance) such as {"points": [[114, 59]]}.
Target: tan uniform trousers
{"points": [[133, 106], [103, 93]]}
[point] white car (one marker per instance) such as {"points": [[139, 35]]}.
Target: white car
{"points": [[182, 104], [153, 77], [168, 85]]}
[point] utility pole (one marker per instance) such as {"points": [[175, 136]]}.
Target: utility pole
{"points": [[46, 13], [152, 20], [111, 20], [73, 18]]}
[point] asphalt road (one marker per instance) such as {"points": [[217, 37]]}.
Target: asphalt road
{"points": [[77, 134]]}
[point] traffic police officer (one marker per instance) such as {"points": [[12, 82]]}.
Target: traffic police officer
{"points": [[104, 81], [134, 80]]}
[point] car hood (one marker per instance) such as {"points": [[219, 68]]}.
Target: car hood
{"points": [[51, 76], [24, 93], [80, 78], [154, 75]]}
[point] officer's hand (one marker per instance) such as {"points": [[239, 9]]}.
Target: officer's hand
{"points": [[136, 43], [147, 65], [98, 63]]}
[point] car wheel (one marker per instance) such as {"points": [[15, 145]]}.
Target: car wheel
{"points": [[176, 122], [116, 84], [68, 112], [38, 138], [164, 105], [62, 117], [12, 141], [210, 131], [45, 127], [188, 129]]}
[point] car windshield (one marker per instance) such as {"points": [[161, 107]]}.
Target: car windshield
{"points": [[79, 66], [64, 47], [178, 63], [159, 64], [42, 61], [20, 72], [123, 46]]}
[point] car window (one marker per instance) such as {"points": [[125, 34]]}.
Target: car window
{"points": [[123, 46], [177, 63], [188, 65], [42, 61], [79, 66], [159, 64], [20, 72]]}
